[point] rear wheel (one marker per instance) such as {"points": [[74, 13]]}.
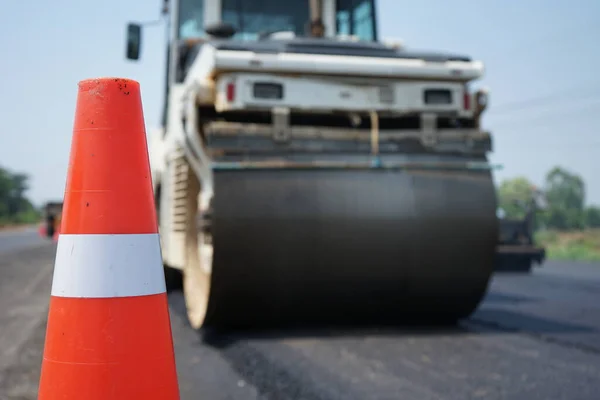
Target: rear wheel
{"points": [[296, 247], [197, 270], [172, 275]]}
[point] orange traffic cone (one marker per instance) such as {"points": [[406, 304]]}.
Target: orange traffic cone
{"points": [[108, 334]]}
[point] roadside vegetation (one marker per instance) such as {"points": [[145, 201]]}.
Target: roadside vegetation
{"points": [[567, 227], [583, 245], [15, 207]]}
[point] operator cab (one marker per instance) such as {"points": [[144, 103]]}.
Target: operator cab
{"points": [[193, 21], [255, 19]]}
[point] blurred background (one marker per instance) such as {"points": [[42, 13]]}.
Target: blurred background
{"points": [[535, 336]]}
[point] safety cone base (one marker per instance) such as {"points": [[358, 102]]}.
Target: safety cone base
{"points": [[108, 348]]}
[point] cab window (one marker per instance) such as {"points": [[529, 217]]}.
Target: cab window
{"points": [[253, 17], [356, 17], [191, 19]]}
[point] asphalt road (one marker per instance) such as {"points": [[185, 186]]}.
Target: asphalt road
{"points": [[14, 240], [535, 337]]}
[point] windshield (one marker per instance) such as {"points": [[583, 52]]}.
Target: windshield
{"points": [[356, 17], [252, 17], [191, 19]]}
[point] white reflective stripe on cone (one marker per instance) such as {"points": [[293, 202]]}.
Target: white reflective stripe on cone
{"points": [[104, 266]]}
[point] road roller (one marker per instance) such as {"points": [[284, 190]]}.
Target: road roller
{"points": [[307, 171]]}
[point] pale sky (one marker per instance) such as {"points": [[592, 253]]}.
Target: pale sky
{"points": [[542, 59]]}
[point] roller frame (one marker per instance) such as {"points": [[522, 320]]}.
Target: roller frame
{"points": [[253, 196]]}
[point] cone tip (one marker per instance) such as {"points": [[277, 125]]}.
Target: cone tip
{"points": [[103, 83]]}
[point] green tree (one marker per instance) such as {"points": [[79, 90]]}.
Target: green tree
{"points": [[565, 198], [592, 217], [5, 191], [14, 206], [515, 196]]}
